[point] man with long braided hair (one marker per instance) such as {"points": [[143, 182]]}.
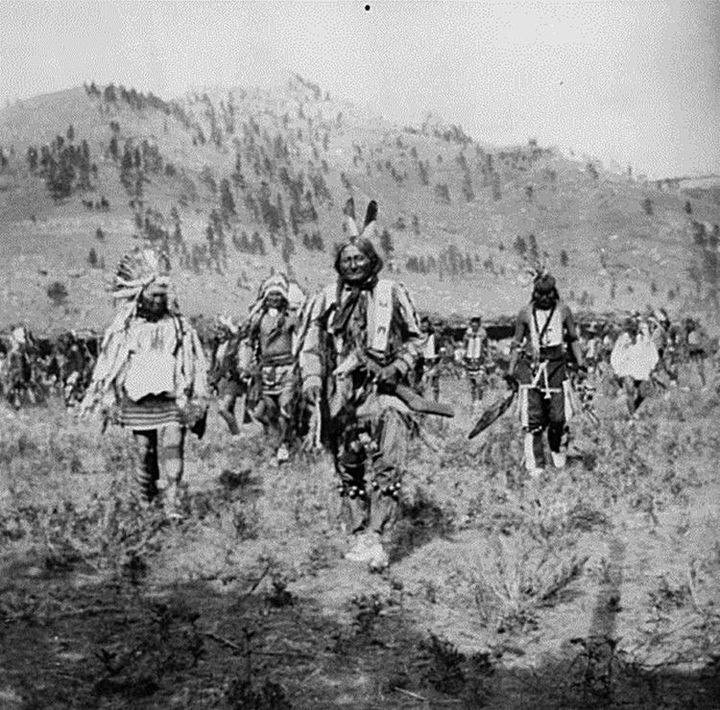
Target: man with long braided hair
{"points": [[361, 340], [151, 374], [544, 331]]}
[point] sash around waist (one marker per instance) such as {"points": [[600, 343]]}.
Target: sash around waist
{"points": [[553, 352], [283, 359]]}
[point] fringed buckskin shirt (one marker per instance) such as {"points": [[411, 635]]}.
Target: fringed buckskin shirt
{"points": [[402, 344]]}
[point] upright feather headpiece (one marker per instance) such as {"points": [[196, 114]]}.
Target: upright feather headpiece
{"points": [[349, 221], [369, 225]]}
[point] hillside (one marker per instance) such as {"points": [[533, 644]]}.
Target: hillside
{"points": [[237, 181]]}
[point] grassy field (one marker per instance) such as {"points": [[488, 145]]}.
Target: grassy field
{"points": [[596, 587]]}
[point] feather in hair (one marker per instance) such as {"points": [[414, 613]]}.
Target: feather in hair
{"points": [[370, 224], [350, 223]]}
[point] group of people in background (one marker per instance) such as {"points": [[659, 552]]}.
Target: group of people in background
{"points": [[482, 361], [32, 369], [351, 369]]}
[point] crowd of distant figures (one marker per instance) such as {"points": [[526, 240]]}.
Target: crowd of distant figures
{"points": [[34, 369]]}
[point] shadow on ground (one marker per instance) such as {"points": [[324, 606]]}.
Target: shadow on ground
{"points": [[419, 522], [71, 641]]}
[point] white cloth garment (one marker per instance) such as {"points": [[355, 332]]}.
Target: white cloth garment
{"points": [[634, 358], [429, 347], [151, 368], [474, 345]]}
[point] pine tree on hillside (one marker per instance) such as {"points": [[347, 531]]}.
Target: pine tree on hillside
{"points": [[467, 188], [424, 172], [126, 167], [32, 158], [84, 167], [57, 292], [237, 175], [442, 192], [257, 245], [386, 244], [207, 179], [496, 191], [227, 203], [288, 249], [59, 179], [533, 250]]}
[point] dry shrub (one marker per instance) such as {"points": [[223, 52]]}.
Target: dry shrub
{"points": [[113, 532], [518, 574]]}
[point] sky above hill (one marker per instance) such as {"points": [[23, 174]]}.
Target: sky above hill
{"points": [[635, 82]]}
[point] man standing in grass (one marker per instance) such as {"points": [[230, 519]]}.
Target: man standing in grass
{"points": [[427, 367], [544, 331], [151, 374], [361, 340], [475, 348], [268, 351], [696, 343]]}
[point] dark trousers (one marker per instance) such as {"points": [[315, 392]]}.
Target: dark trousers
{"points": [[370, 459], [636, 391], [542, 407], [427, 374], [476, 375], [161, 460]]}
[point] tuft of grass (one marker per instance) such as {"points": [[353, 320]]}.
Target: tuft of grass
{"points": [[518, 574]]}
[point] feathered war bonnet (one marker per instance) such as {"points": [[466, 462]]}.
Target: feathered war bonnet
{"points": [[362, 239], [137, 270], [275, 283]]}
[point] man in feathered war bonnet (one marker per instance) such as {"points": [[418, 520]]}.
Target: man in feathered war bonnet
{"points": [[151, 374], [361, 338], [544, 330], [269, 349]]}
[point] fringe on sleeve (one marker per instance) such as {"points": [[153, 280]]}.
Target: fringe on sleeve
{"points": [[113, 356]]}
